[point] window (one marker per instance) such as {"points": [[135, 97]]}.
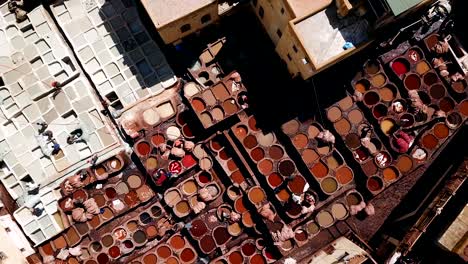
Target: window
{"points": [[205, 19], [254, 2], [261, 12], [289, 57], [278, 32], [295, 48], [305, 61], [185, 28], [282, 10]]}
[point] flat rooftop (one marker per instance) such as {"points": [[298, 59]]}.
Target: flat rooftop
{"points": [[302, 8], [324, 35], [163, 12]]}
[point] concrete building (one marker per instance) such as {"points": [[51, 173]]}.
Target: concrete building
{"points": [[175, 19], [311, 36]]}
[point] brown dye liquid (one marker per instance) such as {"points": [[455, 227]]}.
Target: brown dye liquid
{"points": [[275, 180], [60, 242], [134, 181], [297, 184], [237, 177], [441, 131], [352, 140], [139, 237], [372, 67], [346, 103], [353, 199], [342, 126], [412, 82], [198, 104], [422, 67], [172, 260], [47, 249], [323, 150], [319, 170], [256, 195], [157, 139], [114, 163], [291, 127], [239, 205], [151, 163], [107, 214], [257, 154], [100, 200], [309, 156], [332, 162], [459, 86], [187, 255], [313, 131], [464, 108], [286, 167], [223, 155], [371, 98], [374, 184], [429, 141], [430, 78], [231, 165], [446, 104], [150, 259], [240, 131], [361, 86], [207, 244], [100, 170], [390, 174], [386, 94], [334, 113], [253, 124], [300, 141], [230, 107], [339, 211], [404, 163], [177, 242], [329, 185], [300, 235], [369, 168], [313, 228], [250, 141], [163, 252], [151, 231], [107, 241], [189, 187], [276, 152], [198, 228], [437, 91], [378, 80], [220, 92], [355, 116], [72, 236], [247, 219], [236, 258], [80, 195], [206, 119], [344, 175], [182, 207], [283, 195], [82, 228], [324, 218], [265, 166]]}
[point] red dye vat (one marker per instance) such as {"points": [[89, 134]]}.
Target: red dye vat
{"points": [[188, 161], [114, 252], [399, 67], [204, 177], [103, 258], [143, 148], [248, 249]]}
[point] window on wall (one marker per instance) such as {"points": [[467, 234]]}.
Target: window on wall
{"points": [[185, 28], [282, 10], [295, 48], [305, 61], [278, 32], [261, 12], [289, 57], [206, 19]]}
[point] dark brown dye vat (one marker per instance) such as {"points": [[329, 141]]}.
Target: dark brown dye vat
{"points": [[437, 91], [446, 104], [221, 235], [286, 167], [406, 120], [207, 244], [352, 140], [412, 82], [371, 98], [379, 111], [430, 78]]}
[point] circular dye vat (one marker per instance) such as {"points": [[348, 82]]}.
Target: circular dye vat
{"points": [[182, 208], [414, 55], [139, 237], [342, 126], [294, 210], [187, 255], [114, 252], [388, 126], [286, 245], [446, 104], [400, 66], [313, 228], [230, 107], [407, 120], [217, 113], [379, 111], [204, 177], [353, 198], [239, 205], [283, 195], [459, 86], [265, 140], [276, 152], [374, 184], [378, 80], [412, 82], [205, 163], [339, 211], [286, 167], [150, 259], [274, 180], [344, 175], [404, 163], [309, 156], [221, 235], [319, 170], [206, 119], [430, 78], [383, 159], [265, 166], [390, 174], [453, 120], [324, 219], [103, 258], [107, 240], [313, 131], [240, 131], [163, 251], [198, 104], [371, 98], [248, 249], [300, 235], [177, 242], [143, 148], [198, 228], [291, 127], [352, 140], [134, 181], [250, 141], [257, 154], [372, 67], [362, 86], [300, 141], [172, 260], [441, 131], [111, 193], [437, 91], [296, 185], [334, 113], [253, 124], [329, 185], [95, 247], [235, 258], [207, 244], [189, 187], [256, 195], [151, 163], [429, 141], [387, 93], [158, 139], [151, 231], [422, 67], [355, 116]]}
